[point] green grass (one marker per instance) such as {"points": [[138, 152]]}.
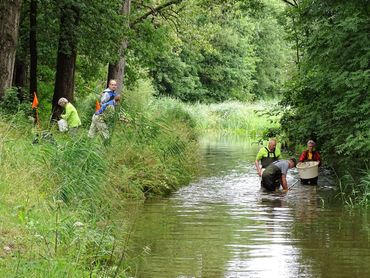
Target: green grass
{"points": [[354, 191], [249, 119], [60, 197], [51, 210]]}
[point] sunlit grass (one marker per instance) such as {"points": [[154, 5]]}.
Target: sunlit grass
{"points": [[234, 117]]}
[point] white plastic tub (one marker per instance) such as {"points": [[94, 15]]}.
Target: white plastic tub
{"points": [[308, 169], [63, 125]]}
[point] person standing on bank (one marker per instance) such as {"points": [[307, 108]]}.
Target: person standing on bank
{"points": [[275, 174], [101, 118], [267, 155], [310, 155], [110, 92], [70, 115]]}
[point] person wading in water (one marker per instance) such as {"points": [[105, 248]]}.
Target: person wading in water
{"points": [[267, 155], [310, 155], [275, 174]]}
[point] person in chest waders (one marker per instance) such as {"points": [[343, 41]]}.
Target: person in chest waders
{"points": [[310, 155], [267, 155], [275, 174]]}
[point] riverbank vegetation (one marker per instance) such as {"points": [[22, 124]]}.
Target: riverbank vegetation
{"points": [[328, 97], [60, 195], [254, 120]]}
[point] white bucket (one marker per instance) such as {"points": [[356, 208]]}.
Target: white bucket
{"points": [[63, 126], [308, 169]]}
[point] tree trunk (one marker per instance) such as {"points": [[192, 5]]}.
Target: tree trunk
{"points": [[66, 60], [117, 71], [9, 23], [33, 48], [19, 78]]}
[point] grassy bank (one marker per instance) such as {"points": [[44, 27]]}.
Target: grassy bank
{"points": [[250, 119], [60, 196]]}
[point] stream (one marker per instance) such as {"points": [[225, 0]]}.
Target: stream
{"points": [[224, 225]]}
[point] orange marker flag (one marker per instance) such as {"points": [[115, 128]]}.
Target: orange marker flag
{"points": [[97, 106], [35, 101]]}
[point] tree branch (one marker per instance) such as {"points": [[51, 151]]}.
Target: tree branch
{"points": [[171, 20], [290, 3], [155, 11]]}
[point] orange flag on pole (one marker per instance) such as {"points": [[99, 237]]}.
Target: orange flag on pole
{"points": [[35, 101], [97, 106]]}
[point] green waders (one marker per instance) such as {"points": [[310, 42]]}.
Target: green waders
{"points": [[271, 157], [271, 178]]}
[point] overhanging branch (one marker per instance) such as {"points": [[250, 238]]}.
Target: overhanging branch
{"points": [[290, 3], [155, 11]]}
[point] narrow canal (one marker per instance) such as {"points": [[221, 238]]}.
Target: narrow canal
{"points": [[223, 225]]}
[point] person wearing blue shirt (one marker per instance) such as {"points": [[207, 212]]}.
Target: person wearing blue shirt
{"points": [[110, 92], [98, 122]]}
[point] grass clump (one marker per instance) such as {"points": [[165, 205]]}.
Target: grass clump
{"points": [[354, 191]]}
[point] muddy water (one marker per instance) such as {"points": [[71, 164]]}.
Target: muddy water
{"points": [[223, 225]]}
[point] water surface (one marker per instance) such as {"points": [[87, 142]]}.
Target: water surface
{"points": [[223, 225]]}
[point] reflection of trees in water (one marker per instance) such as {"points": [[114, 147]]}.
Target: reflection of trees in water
{"points": [[185, 241], [227, 153], [333, 242]]}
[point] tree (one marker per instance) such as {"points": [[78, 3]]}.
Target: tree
{"points": [[117, 69], [220, 50], [9, 22], [33, 47], [89, 27], [67, 53], [273, 51]]}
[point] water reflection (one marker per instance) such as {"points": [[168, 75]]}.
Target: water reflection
{"points": [[223, 225]]}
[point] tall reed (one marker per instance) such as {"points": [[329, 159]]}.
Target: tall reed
{"points": [[354, 191], [234, 117]]}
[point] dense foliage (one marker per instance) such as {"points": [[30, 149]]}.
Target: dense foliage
{"points": [[193, 50], [223, 52], [328, 100]]}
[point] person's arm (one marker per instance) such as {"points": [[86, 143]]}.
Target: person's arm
{"points": [[67, 114], [102, 109], [284, 183], [257, 163], [302, 158], [259, 171], [105, 98]]}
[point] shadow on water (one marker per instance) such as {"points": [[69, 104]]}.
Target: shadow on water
{"points": [[223, 225]]}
